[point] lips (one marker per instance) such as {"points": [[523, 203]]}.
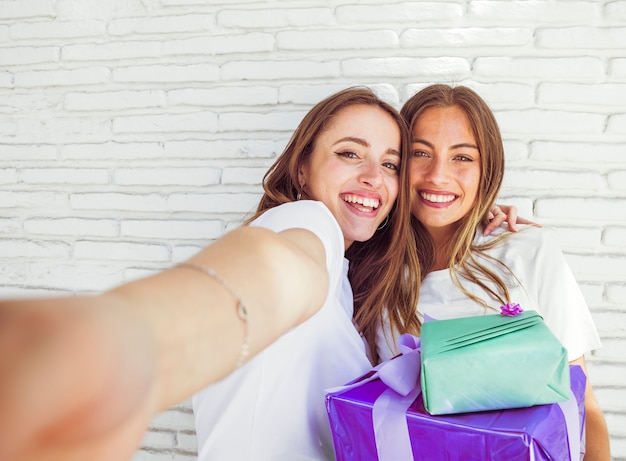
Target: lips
{"points": [[438, 198], [363, 204]]}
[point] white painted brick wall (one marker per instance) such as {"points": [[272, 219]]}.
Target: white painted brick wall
{"points": [[132, 133]]}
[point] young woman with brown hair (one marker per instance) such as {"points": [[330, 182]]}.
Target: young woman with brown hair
{"points": [[81, 377]]}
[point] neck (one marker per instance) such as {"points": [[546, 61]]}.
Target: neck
{"points": [[441, 261], [440, 238]]}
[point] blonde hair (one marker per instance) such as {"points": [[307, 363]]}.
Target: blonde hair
{"points": [[384, 270], [465, 259]]}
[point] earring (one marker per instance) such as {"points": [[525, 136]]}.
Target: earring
{"points": [[384, 223], [298, 196]]}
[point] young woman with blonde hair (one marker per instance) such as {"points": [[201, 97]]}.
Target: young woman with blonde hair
{"points": [[457, 167]]}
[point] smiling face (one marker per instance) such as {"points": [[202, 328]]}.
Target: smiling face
{"points": [[445, 169], [353, 169]]}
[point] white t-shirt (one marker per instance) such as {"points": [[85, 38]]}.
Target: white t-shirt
{"points": [[547, 286], [273, 407]]}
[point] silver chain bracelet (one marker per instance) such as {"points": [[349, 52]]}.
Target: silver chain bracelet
{"points": [[242, 309]]}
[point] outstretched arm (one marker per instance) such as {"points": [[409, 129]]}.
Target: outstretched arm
{"points": [[81, 377]]}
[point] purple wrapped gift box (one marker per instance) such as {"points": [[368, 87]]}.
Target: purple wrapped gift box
{"points": [[532, 434]]}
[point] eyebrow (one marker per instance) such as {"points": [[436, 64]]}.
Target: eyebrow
{"points": [[364, 143], [454, 146]]}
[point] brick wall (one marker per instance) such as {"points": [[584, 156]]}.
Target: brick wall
{"points": [[133, 132]]}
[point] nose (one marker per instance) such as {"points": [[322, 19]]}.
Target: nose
{"points": [[437, 171], [371, 173]]}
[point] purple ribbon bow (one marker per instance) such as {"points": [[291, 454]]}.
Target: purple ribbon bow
{"points": [[511, 309], [402, 377]]}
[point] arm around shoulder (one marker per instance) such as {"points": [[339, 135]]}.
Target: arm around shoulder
{"points": [[597, 444]]}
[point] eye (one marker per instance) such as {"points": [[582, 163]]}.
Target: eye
{"points": [[419, 153], [463, 158], [347, 154], [392, 166]]}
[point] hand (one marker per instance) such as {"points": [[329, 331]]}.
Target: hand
{"points": [[73, 385], [505, 213]]}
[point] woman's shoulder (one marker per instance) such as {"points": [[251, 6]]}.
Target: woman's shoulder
{"points": [[528, 241], [311, 215], [524, 233], [536, 235], [295, 214]]}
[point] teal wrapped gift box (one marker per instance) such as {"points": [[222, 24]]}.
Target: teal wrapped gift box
{"points": [[491, 362]]}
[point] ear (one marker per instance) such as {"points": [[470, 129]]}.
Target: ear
{"points": [[303, 173]]}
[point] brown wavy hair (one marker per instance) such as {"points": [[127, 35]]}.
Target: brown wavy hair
{"points": [[466, 259], [383, 270]]}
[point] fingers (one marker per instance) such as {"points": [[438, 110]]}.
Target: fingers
{"points": [[495, 218], [521, 220], [511, 219], [508, 214]]}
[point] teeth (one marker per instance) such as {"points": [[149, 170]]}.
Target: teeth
{"points": [[437, 198], [366, 202]]}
